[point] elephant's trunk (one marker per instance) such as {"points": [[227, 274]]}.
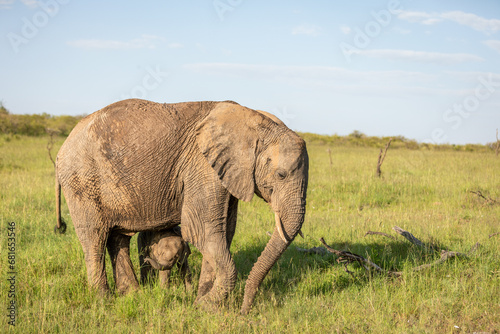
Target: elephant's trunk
{"points": [[288, 225], [155, 264]]}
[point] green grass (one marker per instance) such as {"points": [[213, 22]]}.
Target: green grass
{"points": [[426, 192]]}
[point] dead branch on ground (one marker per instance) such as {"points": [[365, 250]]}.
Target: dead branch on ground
{"points": [[346, 258], [381, 158], [492, 235], [411, 238], [488, 199], [314, 250], [380, 233]]}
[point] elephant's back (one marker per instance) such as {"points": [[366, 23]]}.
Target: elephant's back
{"points": [[134, 123], [122, 155]]}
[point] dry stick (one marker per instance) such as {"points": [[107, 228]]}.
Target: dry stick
{"points": [[487, 199], [379, 233], [446, 255], [347, 257], [50, 144], [411, 238], [314, 250], [492, 235], [381, 158], [330, 155]]}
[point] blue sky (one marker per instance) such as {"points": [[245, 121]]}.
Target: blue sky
{"points": [[427, 70]]}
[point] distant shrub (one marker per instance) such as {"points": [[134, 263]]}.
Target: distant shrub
{"points": [[359, 139], [36, 124]]}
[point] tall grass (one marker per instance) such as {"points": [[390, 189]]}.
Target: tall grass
{"points": [[424, 192]]}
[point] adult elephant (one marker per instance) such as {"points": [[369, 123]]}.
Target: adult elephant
{"points": [[137, 165]]}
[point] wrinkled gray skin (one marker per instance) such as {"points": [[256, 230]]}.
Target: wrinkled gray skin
{"points": [[137, 166], [159, 251]]}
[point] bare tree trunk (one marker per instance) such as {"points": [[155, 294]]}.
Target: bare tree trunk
{"points": [[381, 158]]}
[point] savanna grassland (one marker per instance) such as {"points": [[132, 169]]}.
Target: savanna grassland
{"points": [[423, 190]]}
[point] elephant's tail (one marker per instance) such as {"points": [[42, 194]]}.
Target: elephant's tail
{"points": [[61, 224]]}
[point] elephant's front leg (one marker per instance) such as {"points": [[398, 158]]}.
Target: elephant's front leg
{"points": [[207, 278], [219, 268], [164, 276], [119, 250]]}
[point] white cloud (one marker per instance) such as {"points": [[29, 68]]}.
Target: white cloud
{"points": [[6, 4], [419, 17], [473, 21], [175, 45], [30, 3], [421, 56], [401, 31], [310, 74], [336, 80], [306, 29], [494, 44], [143, 42], [346, 30]]}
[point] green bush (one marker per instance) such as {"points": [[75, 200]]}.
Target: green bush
{"points": [[36, 124]]}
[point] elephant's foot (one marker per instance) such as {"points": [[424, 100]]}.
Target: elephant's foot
{"points": [[123, 288], [207, 277], [211, 302]]}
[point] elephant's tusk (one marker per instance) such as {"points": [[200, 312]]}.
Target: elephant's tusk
{"points": [[279, 226], [301, 234]]}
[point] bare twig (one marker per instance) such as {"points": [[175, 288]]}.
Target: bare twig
{"points": [[492, 235], [381, 157], [379, 233], [446, 255], [488, 200], [330, 155], [50, 145], [411, 238], [348, 257], [314, 250], [474, 248]]}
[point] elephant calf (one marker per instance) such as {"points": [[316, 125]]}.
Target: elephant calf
{"points": [[161, 250]]}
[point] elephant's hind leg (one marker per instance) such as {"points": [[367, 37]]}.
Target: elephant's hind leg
{"points": [[123, 271], [94, 249]]}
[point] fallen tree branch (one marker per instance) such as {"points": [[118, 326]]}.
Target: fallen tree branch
{"points": [[488, 200], [411, 238], [492, 235], [347, 257], [446, 255], [314, 250], [379, 233]]}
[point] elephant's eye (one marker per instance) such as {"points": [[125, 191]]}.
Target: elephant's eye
{"points": [[281, 174]]}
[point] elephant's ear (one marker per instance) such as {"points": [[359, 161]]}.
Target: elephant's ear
{"points": [[228, 138]]}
